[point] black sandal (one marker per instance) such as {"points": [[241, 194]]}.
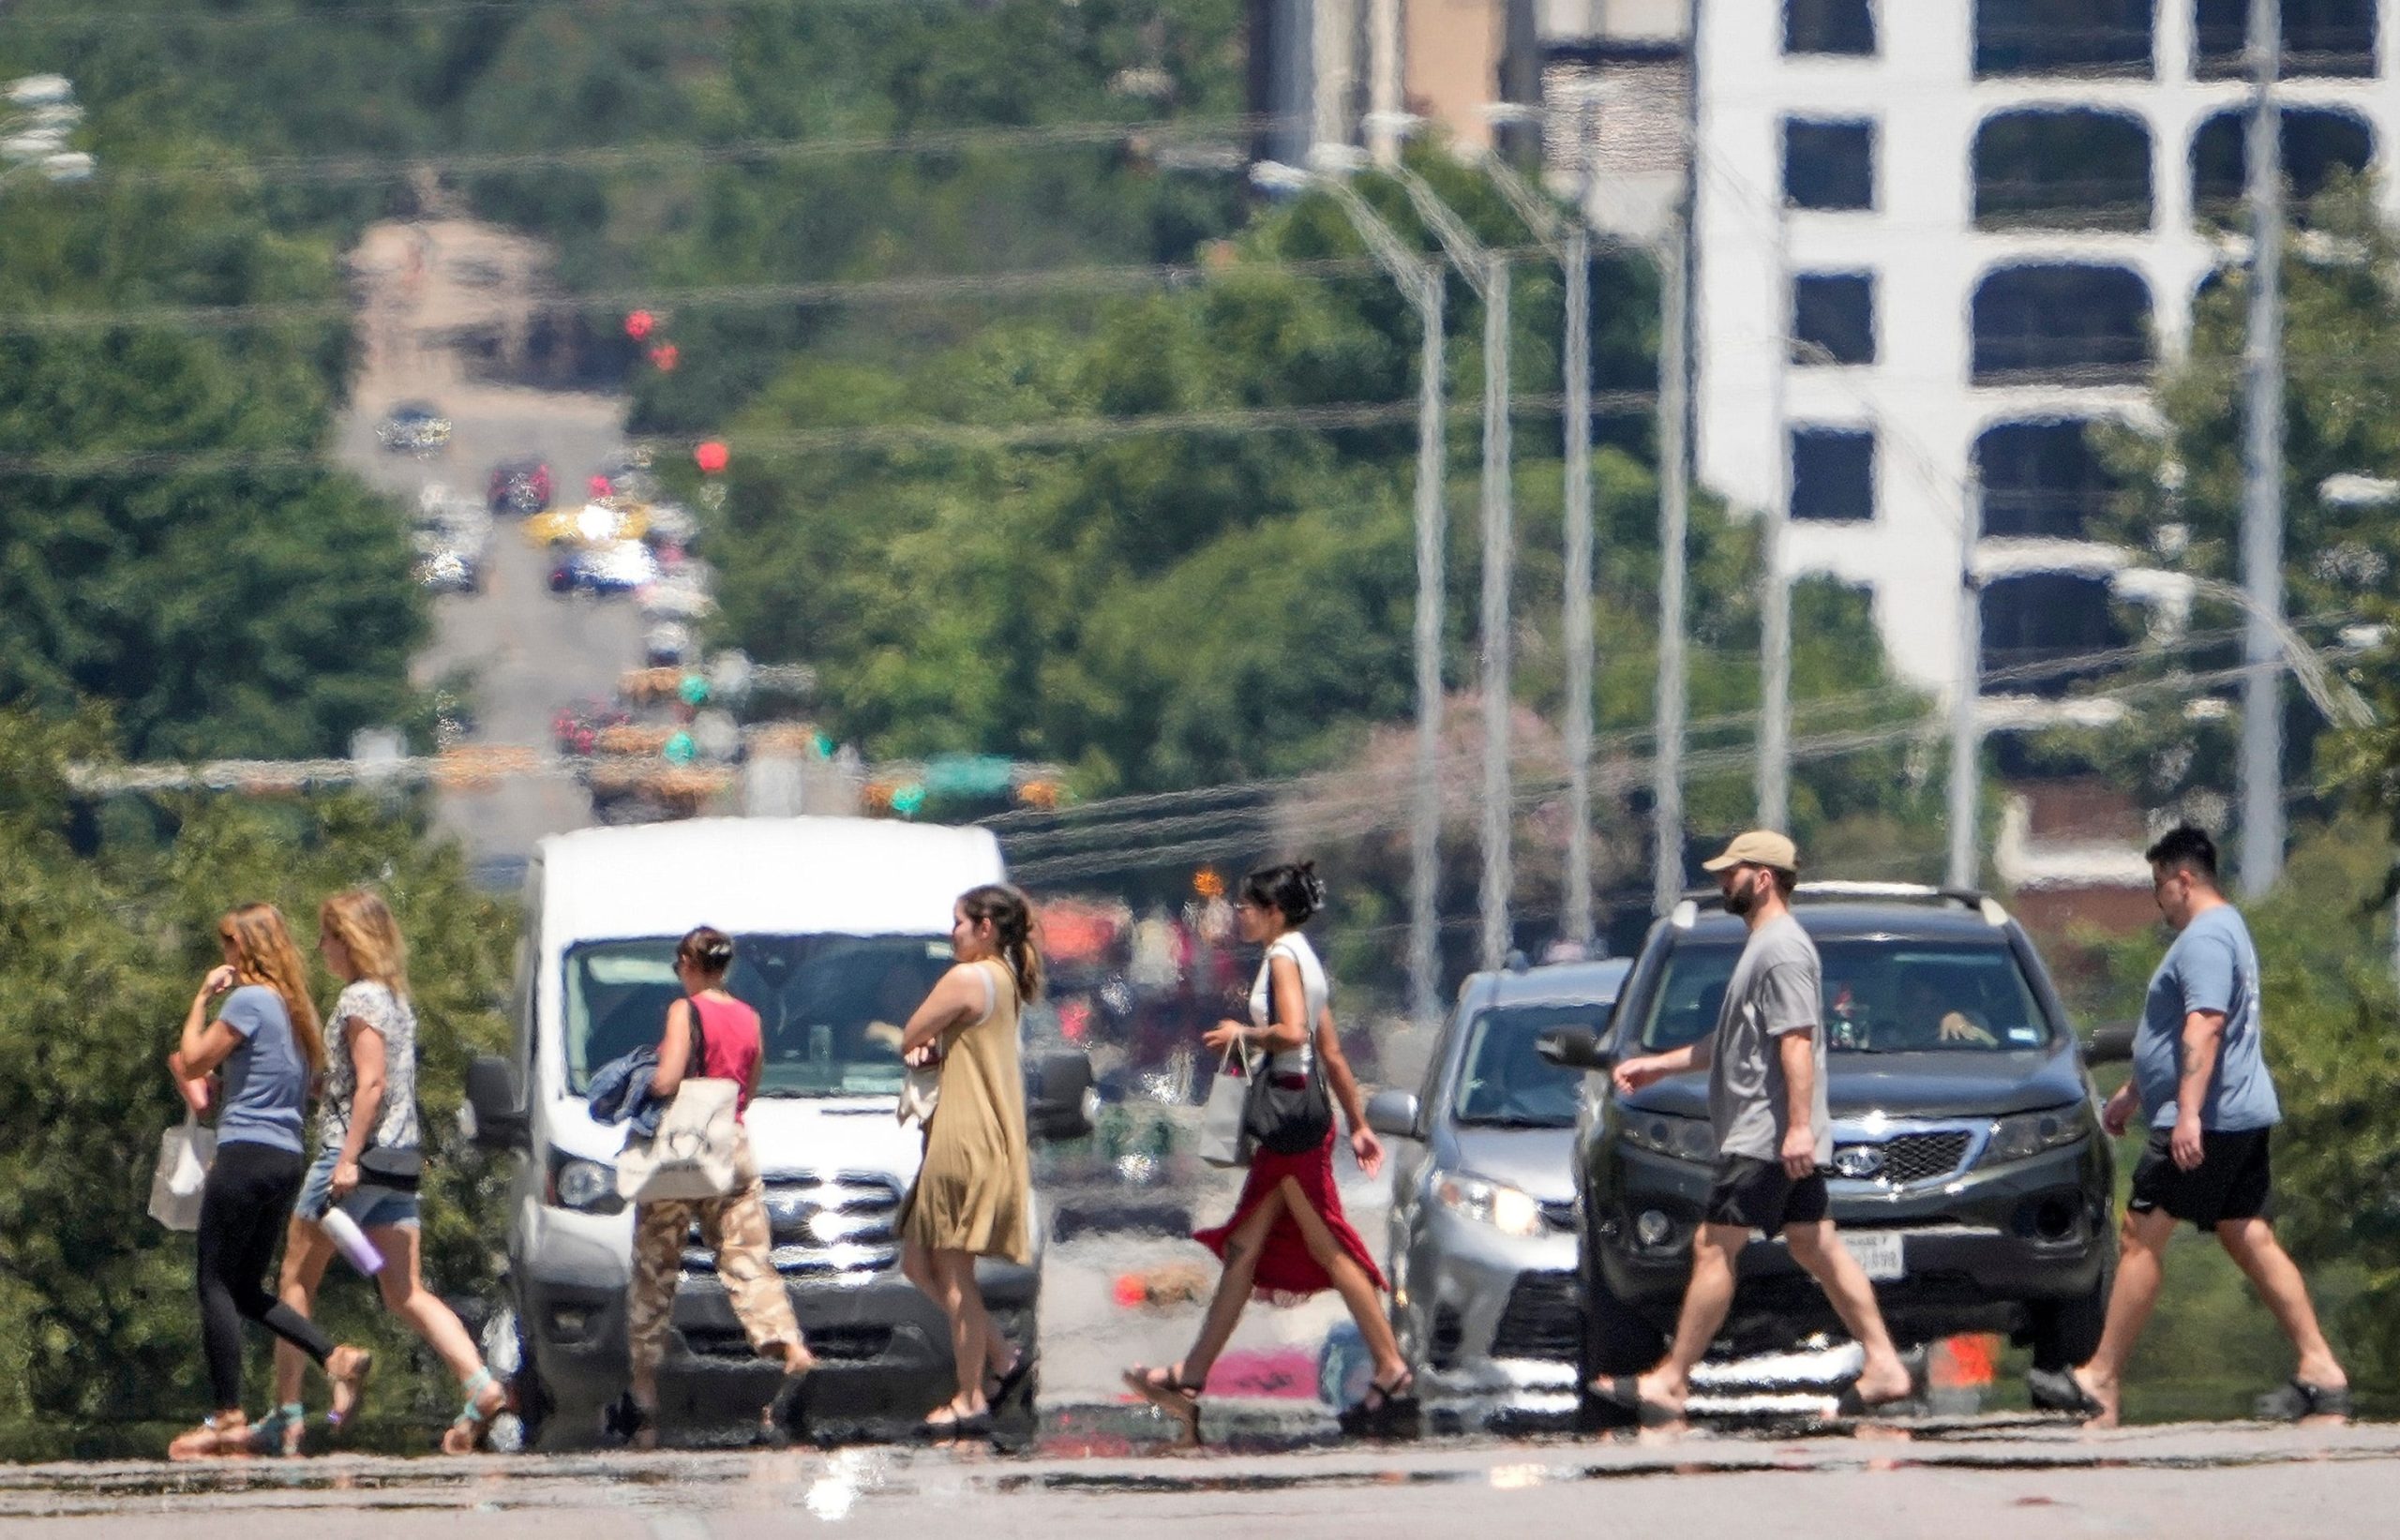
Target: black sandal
{"points": [[2058, 1390], [1005, 1385], [1851, 1404], [1170, 1392], [2297, 1399], [1385, 1410], [1623, 1392]]}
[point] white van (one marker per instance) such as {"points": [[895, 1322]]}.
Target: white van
{"points": [[840, 927]]}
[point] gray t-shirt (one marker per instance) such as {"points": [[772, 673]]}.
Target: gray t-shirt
{"points": [[2212, 966], [1774, 989], [265, 1079], [391, 1017]]}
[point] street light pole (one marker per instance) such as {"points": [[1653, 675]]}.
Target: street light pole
{"points": [[2262, 472], [1487, 272], [1419, 280], [1675, 524], [1569, 241]]}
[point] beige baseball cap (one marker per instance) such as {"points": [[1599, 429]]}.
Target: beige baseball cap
{"points": [[1757, 847]]}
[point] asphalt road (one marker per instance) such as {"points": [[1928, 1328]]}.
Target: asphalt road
{"points": [[530, 652], [1961, 1481]]}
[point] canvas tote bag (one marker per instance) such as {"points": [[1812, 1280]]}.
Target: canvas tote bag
{"points": [[1221, 1119], [184, 1152], [698, 1151]]}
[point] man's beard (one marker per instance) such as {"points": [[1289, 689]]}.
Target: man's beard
{"points": [[1741, 901]]}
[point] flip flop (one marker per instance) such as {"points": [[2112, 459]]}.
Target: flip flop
{"points": [[1623, 1392], [2058, 1390], [1851, 1404], [1383, 1412], [2296, 1398]]}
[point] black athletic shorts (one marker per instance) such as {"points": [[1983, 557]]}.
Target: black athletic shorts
{"points": [[1760, 1195], [2233, 1181]]}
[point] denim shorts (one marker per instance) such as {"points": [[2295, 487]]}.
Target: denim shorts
{"points": [[369, 1207]]}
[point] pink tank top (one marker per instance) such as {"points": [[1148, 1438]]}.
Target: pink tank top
{"points": [[729, 1043]]}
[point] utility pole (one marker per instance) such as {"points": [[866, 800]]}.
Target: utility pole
{"points": [[1570, 241], [1774, 594], [1419, 280], [1966, 736], [1487, 272], [2262, 471], [1674, 522]]}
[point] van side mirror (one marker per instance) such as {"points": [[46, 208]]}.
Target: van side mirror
{"points": [[2112, 1043], [496, 1105], [1394, 1114], [1575, 1047], [1060, 1102]]}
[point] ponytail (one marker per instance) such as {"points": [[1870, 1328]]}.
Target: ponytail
{"points": [[707, 949], [1011, 914], [1296, 892]]}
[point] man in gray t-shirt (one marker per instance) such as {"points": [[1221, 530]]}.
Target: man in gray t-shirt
{"points": [[2200, 1084], [1766, 1099]]}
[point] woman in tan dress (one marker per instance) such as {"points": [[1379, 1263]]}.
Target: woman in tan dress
{"points": [[973, 1193]]}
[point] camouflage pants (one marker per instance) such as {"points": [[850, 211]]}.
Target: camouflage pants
{"points": [[734, 1227]]}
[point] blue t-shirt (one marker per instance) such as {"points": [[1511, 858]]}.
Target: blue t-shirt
{"points": [[2212, 966], [266, 1080]]}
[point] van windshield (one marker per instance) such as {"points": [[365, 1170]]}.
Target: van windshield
{"points": [[830, 1008], [1881, 996]]}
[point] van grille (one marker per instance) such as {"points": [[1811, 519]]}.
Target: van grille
{"points": [[821, 1223]]}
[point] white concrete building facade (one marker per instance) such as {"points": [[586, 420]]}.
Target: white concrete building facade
{"points": [[1935, 239]]}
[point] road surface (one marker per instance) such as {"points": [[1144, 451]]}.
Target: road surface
{"points": [[531, 653], [1997, 1479]]}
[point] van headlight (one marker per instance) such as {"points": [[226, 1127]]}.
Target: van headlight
{"points": [[1677, 1138], [2027, 1134], [587, 1187], [1495, 1203]]}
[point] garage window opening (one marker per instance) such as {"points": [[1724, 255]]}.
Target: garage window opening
{"points": [[1833, 473], [1833, 318], [1829, 166]]}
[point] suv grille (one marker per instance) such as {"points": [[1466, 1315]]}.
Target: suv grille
{"points": [[1558, 1212], [822, 1223], [1544, 1319], [1909, 1158]]}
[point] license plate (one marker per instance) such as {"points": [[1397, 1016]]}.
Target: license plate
{"points": [[1876, 1253]]}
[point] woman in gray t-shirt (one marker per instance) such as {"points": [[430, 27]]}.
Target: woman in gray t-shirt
{"points": [[370, 1105]]}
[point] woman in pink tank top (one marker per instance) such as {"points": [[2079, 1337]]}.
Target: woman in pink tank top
{"points": [[734, 1226]]}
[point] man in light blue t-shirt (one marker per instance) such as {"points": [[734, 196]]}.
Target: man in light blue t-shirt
{"points": [[2200, 1083]]}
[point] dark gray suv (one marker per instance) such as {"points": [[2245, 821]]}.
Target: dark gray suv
{"points": [[1969, 1174]]}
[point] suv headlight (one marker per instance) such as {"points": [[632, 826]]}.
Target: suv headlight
{"points": [[1501, 1206], [2028, 1134], [1677, 1138], [587, 1187]]}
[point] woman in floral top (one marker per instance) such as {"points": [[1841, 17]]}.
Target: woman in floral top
{"points": [[370, 1104]]}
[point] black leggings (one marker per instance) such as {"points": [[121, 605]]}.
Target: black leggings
{"points": [[243, 1213]]}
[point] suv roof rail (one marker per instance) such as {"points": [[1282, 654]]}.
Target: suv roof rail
{"points": [[1687, 911]]}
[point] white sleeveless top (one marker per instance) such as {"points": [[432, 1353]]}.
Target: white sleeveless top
{"points": [[1316, 990]]}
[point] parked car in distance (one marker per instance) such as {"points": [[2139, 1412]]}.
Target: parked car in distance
{"points": [[452, 537], [1485, 1298], [1971, 1177], [414, 428], [519, 487]]}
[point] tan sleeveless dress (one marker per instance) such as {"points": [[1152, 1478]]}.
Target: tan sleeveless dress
{"points": [[974, 1190]]}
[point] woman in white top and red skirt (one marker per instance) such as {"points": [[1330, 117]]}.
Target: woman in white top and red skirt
{"points": [[1287, 1238]]}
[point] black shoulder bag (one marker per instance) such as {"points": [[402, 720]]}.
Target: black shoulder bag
{"points": [[1286, 1113]]}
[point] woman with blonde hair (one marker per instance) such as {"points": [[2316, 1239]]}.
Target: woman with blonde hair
{"points": [[264, 1048], [971, 1195], [369, 1142]]}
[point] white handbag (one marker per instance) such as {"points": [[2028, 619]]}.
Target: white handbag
{"points": [[185, 1153], [1221, 1141], [699, 1149], [920, 1094]]}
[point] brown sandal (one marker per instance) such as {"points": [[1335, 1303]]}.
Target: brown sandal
{"points": [[1171, 1393]]}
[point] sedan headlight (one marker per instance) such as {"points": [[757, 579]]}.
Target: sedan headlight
{"points": [[587, 1187], [2030, 1133], [1503, 1207], [1677, 1138]]}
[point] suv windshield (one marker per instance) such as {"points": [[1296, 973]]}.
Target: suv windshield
{"points": [[830, 1007], [1881, 996], [1504, 1082]]}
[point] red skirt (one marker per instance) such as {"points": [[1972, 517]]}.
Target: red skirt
{"points": [[1286, 1271]]}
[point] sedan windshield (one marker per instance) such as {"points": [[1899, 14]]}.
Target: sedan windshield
{"points": [[1881, 996], [1504, 1082], [830, 1008]]}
